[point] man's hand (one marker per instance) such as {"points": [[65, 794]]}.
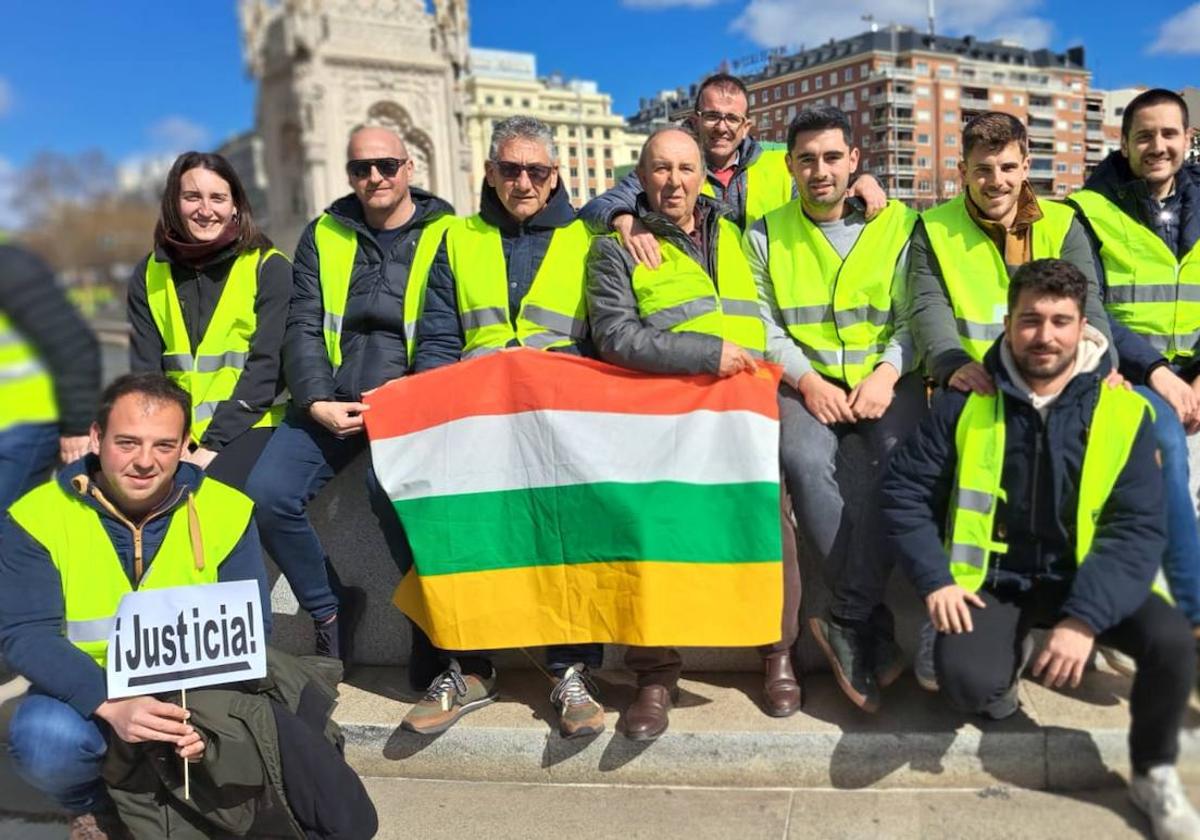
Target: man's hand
{"points": [[735, 359], [1179, 395], [73, 447], [1116, 380], [1067, 650], [201, 457], [140, 719], [638, 241], [972, 377], [865, 187], [948, 609], [871, 397], [190, 747], [824, 400], [341, 418]]}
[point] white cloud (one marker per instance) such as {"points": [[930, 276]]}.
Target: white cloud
{"points": [[774, 23], [668, 4], [1180, 34], [6, 96], [177, 134]]}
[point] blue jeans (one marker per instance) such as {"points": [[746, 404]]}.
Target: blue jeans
{"points": [[561, 657], [59, 753], [300, 459], [28, 453], [1181, 564]]}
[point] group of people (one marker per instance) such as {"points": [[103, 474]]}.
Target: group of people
{"points": [[1059, 342]]}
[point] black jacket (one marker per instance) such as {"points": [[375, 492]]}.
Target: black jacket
{"points": [[1114, 180], [373, 337], [440, 338], [1042, 466], [43, 315], [621, 336], [199, 290]]}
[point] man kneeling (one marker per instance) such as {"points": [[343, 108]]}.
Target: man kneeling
{"points": [[1050, 492], [129, 518]]}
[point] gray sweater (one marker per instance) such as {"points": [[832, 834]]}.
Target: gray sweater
{"points": [[842, 235]]}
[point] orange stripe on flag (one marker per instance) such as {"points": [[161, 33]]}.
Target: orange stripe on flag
{"points": [[522, 380]]}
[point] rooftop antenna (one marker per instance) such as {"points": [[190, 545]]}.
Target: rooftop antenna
{"points": [[932, 17], [870, 19]]}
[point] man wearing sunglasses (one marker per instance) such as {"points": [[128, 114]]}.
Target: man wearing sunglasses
{"points": [[357, 276], [510, 276], [747, 178], [697, 313]]}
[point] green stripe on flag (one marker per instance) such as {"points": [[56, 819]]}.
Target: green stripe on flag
{"points": [[588, 523]]}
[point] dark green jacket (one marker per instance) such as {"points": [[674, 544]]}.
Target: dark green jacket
{"points": [[238, 787]]}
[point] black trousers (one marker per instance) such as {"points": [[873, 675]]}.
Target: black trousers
{"points": [[233, 464], [976, 669]]}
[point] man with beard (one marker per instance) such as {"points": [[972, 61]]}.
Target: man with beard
{"points": [[1040, 505], [1142, 207]]}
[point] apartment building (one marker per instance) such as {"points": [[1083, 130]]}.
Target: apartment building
{"points": [[593, 143], [908, 95]]}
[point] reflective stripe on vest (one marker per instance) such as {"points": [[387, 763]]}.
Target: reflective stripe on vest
{"points": [[337, 246], [210, 374], [92, 577], [679, 296], [974, 271], [553, 312], [1149, 291], [980, 440], [26, 389], [768, 186], [839, 313]]}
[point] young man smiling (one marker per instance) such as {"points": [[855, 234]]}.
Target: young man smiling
{"points": [[832, 287]]}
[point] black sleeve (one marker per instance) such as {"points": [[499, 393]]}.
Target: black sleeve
{"points": [[306, 364], [439, 330], [67, 346], [145, 342], [916, 493], [259, 383], [1115, 577]]}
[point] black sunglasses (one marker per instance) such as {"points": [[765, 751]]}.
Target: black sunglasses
{"points": [[509, 171], [387, 167]]}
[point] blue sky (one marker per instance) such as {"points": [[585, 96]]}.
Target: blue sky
{"points": [[139, 77]]}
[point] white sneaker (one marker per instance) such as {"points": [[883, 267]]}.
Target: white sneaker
{"points": [[1159, 795], [1122, 663]]}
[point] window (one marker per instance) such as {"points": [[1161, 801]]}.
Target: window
{"points": [[848, 74], [922, 90], [574, 172], [489, 100], [1075, 126], [945, 71], [791, 89], [1060, 189], [524, 103], [778, 92], [571, 131], [951, 140], [791, 112], [819, 82], [1076, 105], [804, 85], [1060, 146], [574, 151], [1018, 99], [923, 185], [608, 173], [864, 70], [1076, 169], [1061, 104], [508, 101], [591, 172], [997, 98], [833, 78], [950, 187], [820, 101], [608, 134], [922, 163], [589, 132], [923, 139], [949, 163], [949, 93], [922, 68], [863, 94], [848, 103], [1077, 148], [923, 116], [1061, 125], [866, 118], [950, 117], [1060, 167], [778, 114]]}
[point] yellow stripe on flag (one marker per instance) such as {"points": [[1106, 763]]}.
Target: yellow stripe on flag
{"points": [[691, 605]]}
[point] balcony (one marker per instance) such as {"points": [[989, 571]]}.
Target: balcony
{"points": [[893, 73], [892, 97], [1093, 134], [978, 103], [1039, 130], [903, 192]]}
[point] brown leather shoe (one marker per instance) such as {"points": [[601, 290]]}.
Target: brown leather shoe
{"points": [[781, 690], [98, 825], [646, 717]]}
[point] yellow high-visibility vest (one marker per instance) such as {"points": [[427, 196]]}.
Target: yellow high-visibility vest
{"points": [[768, 185]]}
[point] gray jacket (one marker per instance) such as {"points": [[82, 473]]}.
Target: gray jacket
{"points": [[620, 335], [932, 317], [781, 348]]}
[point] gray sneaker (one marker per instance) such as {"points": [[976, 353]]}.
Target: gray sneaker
{"points": [[848, 651], [579, 713], [1159, 795], [923, 668]]}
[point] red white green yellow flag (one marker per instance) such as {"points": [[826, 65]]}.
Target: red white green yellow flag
{"points": [[552, 499]]}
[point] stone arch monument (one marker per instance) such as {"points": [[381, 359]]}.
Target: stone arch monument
{"points": [[325, 66]]}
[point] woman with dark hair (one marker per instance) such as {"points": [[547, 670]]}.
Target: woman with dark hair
{"points": [[208, 308]]}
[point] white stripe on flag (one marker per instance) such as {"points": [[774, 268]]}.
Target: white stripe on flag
{"points": [[560, 448]]}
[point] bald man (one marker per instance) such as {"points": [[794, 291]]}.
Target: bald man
{"points": [[696, 313], [360, 268]]}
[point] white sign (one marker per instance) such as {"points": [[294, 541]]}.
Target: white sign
{"points": [[186, 637]]}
